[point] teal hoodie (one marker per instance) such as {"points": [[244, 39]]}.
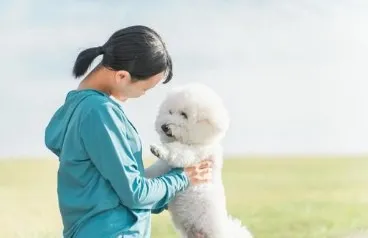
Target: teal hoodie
{"points": [[102, 191]]}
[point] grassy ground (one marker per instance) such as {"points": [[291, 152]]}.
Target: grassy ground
{"points": [[283, 198]]}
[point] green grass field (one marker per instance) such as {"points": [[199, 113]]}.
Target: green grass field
{"points": [[276, 198]]}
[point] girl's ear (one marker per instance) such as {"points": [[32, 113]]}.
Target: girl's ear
{"points": [[122, 76]]}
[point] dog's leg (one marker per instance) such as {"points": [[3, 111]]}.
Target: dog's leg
{"points": [[182, 159], [175, 154], [158, 168], [159, 151]]}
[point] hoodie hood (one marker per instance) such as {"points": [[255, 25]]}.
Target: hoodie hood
{"points": [[56, 129]]}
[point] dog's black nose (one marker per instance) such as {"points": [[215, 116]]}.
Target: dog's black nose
{"points": [[165, 128]]}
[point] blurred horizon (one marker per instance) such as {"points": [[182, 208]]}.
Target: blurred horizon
{"points": [[292, 73]]}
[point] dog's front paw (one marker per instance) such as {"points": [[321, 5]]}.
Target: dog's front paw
{"points": [[158, 151]]}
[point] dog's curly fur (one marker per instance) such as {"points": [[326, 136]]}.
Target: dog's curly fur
{"points": [[191, 122]]}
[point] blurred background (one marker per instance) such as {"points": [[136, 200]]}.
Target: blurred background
{"points": [[292, 72], [293, 75]]}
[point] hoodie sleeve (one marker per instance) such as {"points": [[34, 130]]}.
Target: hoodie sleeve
{"points": [[104, 137], [159, 210]]}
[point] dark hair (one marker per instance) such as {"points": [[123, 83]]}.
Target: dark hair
{"points": [[136, 49]]}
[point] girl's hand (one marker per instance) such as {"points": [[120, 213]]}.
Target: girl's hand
{"points": [[200, 173]]}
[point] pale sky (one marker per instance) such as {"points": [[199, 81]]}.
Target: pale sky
{"points": [[292, 73]]}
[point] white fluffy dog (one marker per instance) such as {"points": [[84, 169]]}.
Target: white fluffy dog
{"points": [[191, 122]]}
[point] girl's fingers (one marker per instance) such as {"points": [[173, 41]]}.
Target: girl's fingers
{"points": [[205, 164], [204, 172], [200, 173]]}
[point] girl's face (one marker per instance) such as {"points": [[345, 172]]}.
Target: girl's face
{"points": [[125, 87]]}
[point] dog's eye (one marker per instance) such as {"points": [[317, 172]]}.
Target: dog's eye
{"points": [[183, 114], [170, 112]]}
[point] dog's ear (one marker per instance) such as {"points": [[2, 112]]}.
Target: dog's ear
{"points": [[218, 119]]}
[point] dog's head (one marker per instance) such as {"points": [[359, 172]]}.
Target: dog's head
{"points": [[192, 114]]}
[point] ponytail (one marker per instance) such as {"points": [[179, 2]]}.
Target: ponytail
{"points": [[85, 59], [136, 49]]}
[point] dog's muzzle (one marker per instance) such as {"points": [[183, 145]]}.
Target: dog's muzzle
{"points": [[165, 128]]}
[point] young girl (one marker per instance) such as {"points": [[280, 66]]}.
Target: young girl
{"points": [[102, 191]]}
